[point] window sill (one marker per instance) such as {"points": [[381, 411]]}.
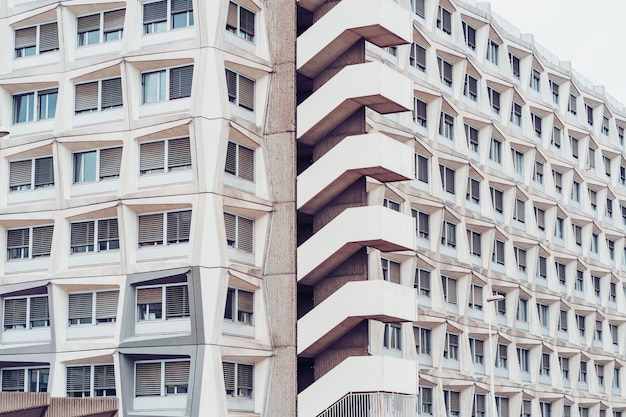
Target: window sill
{"points": [[168, 36], [36, 60], [166, 178], [28, 196], [26, 336], [237, 329], [170, 402], [99, 117], [29, 128], [98, 49], [26, 265], [239, 42], [163, 107], [181, 325], [94, 187], [240, 404], [94, 258], [91, 331], [152, 253]]}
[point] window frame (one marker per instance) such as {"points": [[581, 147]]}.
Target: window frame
{"points": [[92, 390], [163, 382], [144, 310], [30, 323], [149, 238], [239, 29], [173, 83]]}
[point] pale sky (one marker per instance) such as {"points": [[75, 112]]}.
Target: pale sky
{"points": [[589, 34]]}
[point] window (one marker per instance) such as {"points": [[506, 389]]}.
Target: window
{"points": [[520, 258], [392, 337], [36, 40], [557, 177], [161, 378], [614, 334], [502, 406], [538, 173], [110, 23], [452, 403], [516, 114], [559, 228], [97, 164], [30, 242], [478, 408], [469, 34], [600, 373], [240, 21], [620, 134], [542, 312], [514, 61], [175, 224], [422, 340], [518, 211], [493, 54], [239, 232], [622, 175], [477, 350], [425, 401], [583, 412], [422, 282], [500, 304], [417, 6], [582, 373], [447, 178], [162, 302], [610, 244], [238, 379], [501, 356], [161, 15], [535, 80], [495, 151], [579, 285], [26, 312], [470, 88], [445, 71], [596, 285], [576, 191], [554, 87], [476, 297], [239, 161], [546, 409], [544, 368], [498, 252], [35, 105], [607, 166], [390, 204], [494, 100], [580, 323], [605, 126], [448, 234], [390, 270], [240, 90], [239, 306], [526, 407], [496, 199], [444, 20], [591, 159], [474, 242], [98, 95], [578, 233], [471, 135], [446, 126], [449, 289], [572, 104], [422, 227], [31, 379], [613, 292], [594, 243], [593, 200], [564, 365], [523, 358], [83, 236], [81, 307], [166, 84], [597, 335], [91, 381], [541, 268], [536, 119], [164, 156], [419, 112], [473, 190], [616, 378], [562, 325], [589, 112], [417, 57], [522, 310], [31, 174], [574, 145], [555, 140], [518, 162]]}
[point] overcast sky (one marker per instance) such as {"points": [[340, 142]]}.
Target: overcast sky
{"points": [[590, 34]]}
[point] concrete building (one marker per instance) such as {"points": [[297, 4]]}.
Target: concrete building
{"points": [[445, 220]]}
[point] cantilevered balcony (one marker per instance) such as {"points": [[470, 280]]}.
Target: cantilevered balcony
{"points": [[350, 304], [372, 84], [375, 155], [381, 22], [358, 374], [374, 226]]}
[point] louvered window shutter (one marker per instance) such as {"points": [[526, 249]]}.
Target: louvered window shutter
{"points": [[44, 172], [416, 336], [231, 19], [502, 351], [228, 310], [176, 301], [80, 306], [39, 310], [106, 305], [112, 93], [423, 223], [504, 407], [178, 226], [82, 234], [78, 379], [229, 377], [178, 153], [48, 37], [425, 280], [246, 163], [25, 38], [110, 162], [15, 313], [427, 395], [479, 346], [245, 376], [147, 379], [477, 295], [18, 238], [421, 56], [230, 223], [42, 240], [155, 12], [103, 377], [246, 21], [231, 84], [245, 301], [394, 272], [452, 291], [152, 156], [522, 258], [231, 158], [450, 180], [245, 234], [151, 229], [455, 403], [177, 373], [107, 230], [86, 97], [89, 23], [20, 173], [246, 92], [180, 82], [13, 380], [447, 71], [480, 403], [152, 295], [182, 5], [114, 20]]}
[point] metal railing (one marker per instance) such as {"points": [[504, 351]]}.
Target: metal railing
{"points": [[373, 404]]}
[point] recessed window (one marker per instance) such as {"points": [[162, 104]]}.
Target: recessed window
{"points": [[476, 296], [422, 282], [535, 79], [444, 20], [470, 88], [164, 156], [515, 65], [421, 168], [593, 199], [473, 190], [451, 347], [559, 228], [557, 177], [390, 270], [495, 151], [474, 242], [425, 401], [240, 90], [493, 52], [445, 71], [554, 87], [35, 105], [160, 15], [449, 291], [518, 162], [391, 204], [494, 100], [572, 104], [520, 258], [447, 178], [589, 113], [26, 312], [496, 199], [523, 358], [97, 307], [477, 350], [578, 232], [97, 164], [560, 272], [536, 119], [422, 340], [240, 21], [471, 136], [161, 378], [162, 302], [452, 402], [238, 379], [35, 40], [90, 236], [239, 306], [542, 269], [516, 114], [582, 373], [422, 227], [502, 356], [392, 337], [544, 367], [564, 365], [519, 211], [574, 146], [540, 218], [31, 174], [498, 252], [166, 84], [555, 140], [110, 24], [522, 310], [91, 381], [579, 284], [239, 232], [240, 161], [538, 173], [29, 242], [25, 379], [469, 33], [417, 57], [164, 228], [98, 95]]}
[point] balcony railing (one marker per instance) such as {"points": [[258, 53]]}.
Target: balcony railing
{"points": [[373, 404]]}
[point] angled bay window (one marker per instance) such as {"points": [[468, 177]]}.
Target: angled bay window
{"points": [[164, 156], [515, 65], [493, 52], [162, 302], [240, 161], [164, 228], [447, 178], [161, 378], [29, 242], [469, 34], [29, 312], [90, 381], [166, 84], [96, 307], [422, 282], [239, 306], [449, 286], [30, 174], [240, 89], [239, 232], [98, 95], [37, 39], [516, 114], [417, 57], [494, 100], [162, 15], [445, 71], [100, 27], [444, 20], [97, 164], [470, 88], [423, 342], [94, 235], [34, 105], [240, 21], [238, 379], [420, 116]]}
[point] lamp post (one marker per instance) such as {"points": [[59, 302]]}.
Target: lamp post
{"points": [[490, 300]]}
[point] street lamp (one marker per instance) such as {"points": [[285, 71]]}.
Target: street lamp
{"points": [[489, 300]]}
